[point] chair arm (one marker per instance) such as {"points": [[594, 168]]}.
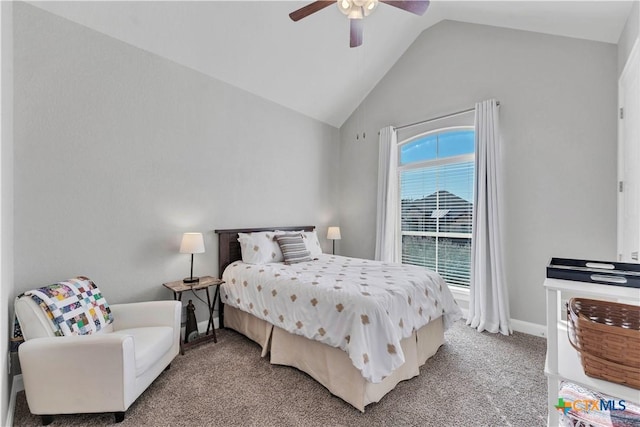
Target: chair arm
{"points": [[146, 314], [90, 373]]}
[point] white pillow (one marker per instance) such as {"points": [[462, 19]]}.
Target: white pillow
{"points": [[311, 241], [259, 247]]}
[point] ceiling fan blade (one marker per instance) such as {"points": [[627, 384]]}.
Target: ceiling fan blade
{"points": [[314, 7], [356, 32], [419, 7]]}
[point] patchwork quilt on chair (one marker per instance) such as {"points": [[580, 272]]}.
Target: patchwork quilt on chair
{"points": [[74, 307]]}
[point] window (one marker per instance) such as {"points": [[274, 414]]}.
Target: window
{"points": [[436, 192]]}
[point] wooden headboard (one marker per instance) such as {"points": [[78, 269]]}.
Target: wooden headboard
{"points": [[229, 248]]}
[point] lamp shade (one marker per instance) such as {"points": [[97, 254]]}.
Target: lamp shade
{"points": [[192, 243], [333, 233]]}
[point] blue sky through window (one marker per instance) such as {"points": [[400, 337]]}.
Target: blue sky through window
{"points": [[438, 145], [455, 178]]}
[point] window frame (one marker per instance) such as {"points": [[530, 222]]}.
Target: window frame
{"points": [[424, 164]]}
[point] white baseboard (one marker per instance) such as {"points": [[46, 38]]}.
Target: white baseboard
{"points": [[519, 326], [529, 328], [202, 326], [16, 386], [462, 297]]}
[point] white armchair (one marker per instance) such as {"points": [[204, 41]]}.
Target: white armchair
{"points": [[102, 372]]}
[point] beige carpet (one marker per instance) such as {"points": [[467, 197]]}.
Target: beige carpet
{"points": [[474, 380]]}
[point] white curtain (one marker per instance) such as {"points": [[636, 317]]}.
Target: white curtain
{"points": [[489, 304], [387, 223]]}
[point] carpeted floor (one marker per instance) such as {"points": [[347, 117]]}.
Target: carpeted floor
{"points": [[474, 380]]}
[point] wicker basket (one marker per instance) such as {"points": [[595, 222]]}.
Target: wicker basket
{"points": [[607, 336]]}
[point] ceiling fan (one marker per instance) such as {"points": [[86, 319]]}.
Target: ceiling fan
{"points": [[356, 10]]}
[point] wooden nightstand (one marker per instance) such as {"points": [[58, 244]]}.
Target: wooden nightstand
{"points": [[178, 287]]}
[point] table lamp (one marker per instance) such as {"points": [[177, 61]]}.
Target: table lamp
{"points": [[333, 233], [192, 243]]}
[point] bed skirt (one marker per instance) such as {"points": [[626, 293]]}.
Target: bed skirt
{"points": [[331, 366]]}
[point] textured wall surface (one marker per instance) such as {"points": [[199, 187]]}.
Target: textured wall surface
{"points": [[558, 116], [118, 152], [6, 203], [630, 34]]}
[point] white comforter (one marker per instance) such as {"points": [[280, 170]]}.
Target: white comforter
{"points": [[363, 307]]}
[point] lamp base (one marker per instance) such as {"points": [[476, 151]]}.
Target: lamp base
{"points": [[191, 279]]}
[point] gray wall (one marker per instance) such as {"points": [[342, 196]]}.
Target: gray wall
{"points": [[6, 203], [629, 36], [558, 116], [118, 152]]}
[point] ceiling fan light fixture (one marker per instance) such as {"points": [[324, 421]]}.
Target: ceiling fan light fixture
{"points": [[356, 10], [369, 6], [356, 13], [345, 6]]}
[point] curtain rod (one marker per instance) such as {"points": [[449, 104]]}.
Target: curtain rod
{"points": [[457, 113]]}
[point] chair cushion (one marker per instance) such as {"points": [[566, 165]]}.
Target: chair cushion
{"points": [[150, 345]]}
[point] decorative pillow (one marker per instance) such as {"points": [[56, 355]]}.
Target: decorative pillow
{"points": [[293, 248], [310, 239], [74, 307], [312, 243], [259, 247]]}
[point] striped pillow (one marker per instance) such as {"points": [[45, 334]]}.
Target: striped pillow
{"points": [[293, 248]]}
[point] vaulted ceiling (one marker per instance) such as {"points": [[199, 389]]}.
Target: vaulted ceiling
{"points": [[308, 66]]}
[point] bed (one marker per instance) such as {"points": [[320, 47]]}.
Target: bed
{"points": [[358, 327]]}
